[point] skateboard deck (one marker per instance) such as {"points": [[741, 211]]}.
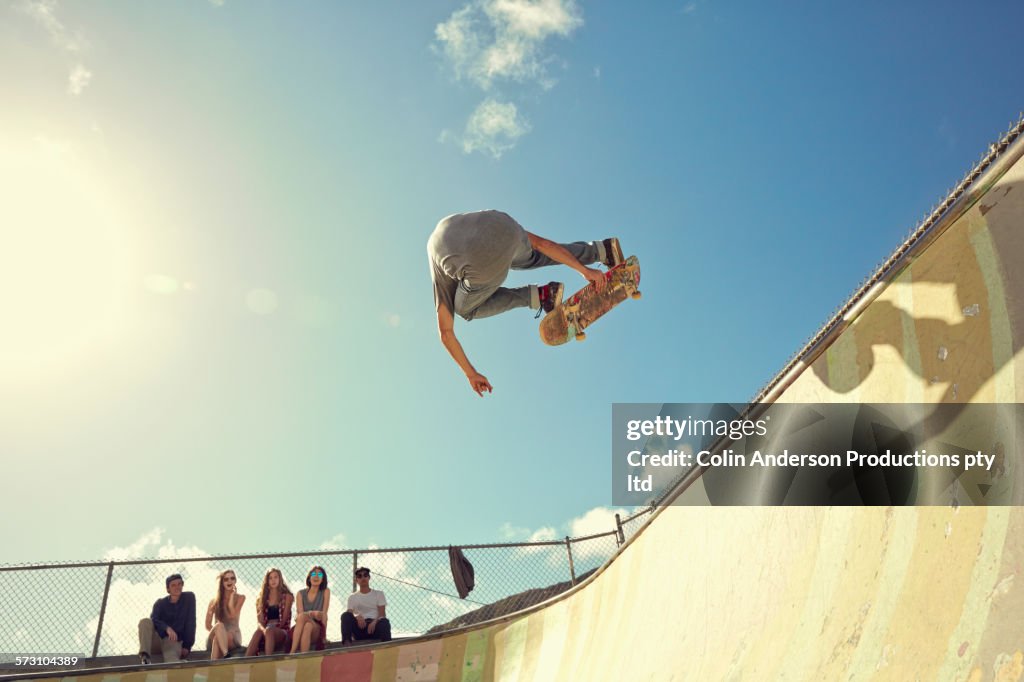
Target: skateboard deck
{"points": [[572, 316]]}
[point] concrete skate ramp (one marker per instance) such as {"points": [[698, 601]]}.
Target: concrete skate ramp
{"points": [[811, 593]]}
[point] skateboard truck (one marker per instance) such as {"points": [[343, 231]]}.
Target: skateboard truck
{"points": [[569, 319]]}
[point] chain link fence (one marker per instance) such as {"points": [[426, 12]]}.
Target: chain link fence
{"points": [[93, 609], [631, 525]]}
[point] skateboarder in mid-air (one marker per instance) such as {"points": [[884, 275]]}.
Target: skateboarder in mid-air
{"points": [[470, 256]]}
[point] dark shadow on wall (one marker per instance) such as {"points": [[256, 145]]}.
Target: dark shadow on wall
{"points": [[957, 355]]}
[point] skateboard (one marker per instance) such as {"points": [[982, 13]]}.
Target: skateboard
{"points": [[572, 316]]}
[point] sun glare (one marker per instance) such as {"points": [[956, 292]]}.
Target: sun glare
{"points": [[61, 262]]}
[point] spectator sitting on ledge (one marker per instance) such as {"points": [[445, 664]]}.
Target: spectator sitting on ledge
{"points": [[225, 609], [273, 614], [364, 618], [171, 627], [311, 612]]}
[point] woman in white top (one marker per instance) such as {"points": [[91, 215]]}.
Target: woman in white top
{"points": [[225, 609]]}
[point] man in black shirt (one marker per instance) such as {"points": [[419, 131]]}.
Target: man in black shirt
{"points": [[171, 627]]}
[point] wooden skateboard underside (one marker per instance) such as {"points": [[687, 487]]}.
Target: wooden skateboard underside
{"points": [[568, 320]]}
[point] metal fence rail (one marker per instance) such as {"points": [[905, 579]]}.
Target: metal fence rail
{"points": [[93, 608]]}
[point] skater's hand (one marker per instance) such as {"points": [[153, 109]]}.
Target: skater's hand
{"points": [[595, 277], [479, 383]]}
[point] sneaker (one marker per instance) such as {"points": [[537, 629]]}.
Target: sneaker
{"points": [[612, 252], [550, 295], [144, 658]]}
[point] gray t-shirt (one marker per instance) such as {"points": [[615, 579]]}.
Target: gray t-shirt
{"points": [[316, 605], [475, 249]]}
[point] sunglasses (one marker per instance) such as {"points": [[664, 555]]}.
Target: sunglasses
{"points": [[230, 579], [362, 575], [316, 574]]}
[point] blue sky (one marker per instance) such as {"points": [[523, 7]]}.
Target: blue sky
{"points": [[220, 322]]}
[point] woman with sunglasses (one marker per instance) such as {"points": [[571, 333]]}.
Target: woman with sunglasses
{"points": [[273, 615], [225, 609], [311, 612]]}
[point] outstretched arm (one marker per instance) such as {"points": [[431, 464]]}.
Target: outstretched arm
{"points": [[446, 328], [559, 253]]}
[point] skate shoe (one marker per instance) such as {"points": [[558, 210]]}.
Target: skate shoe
{"points": [[550, 295], [612, 252]]}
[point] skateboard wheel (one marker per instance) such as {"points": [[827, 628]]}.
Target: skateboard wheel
{"points": [[580, 336], [635, 295]]}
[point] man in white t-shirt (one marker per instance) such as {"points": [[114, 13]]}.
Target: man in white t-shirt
{"points": [[364, 618]]}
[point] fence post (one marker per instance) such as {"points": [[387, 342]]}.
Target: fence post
{"points": [[103, 610], [620, 537], [355, 565], [572, 568]]}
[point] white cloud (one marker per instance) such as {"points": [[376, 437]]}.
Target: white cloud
{"points": [[513, 533], [217, 3], [690, 8], [502, 41], [494, 128], [335, 543], [536, 19], [150, 544], [393, 565], [593, 522], [597, 520], [78, 79], [546, 534], [137, 549], [459, 39], [490, 40], [448, 608], [44, 12]]}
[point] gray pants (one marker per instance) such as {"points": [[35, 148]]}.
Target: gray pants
{"points": [[472, 302], [152, 643]]}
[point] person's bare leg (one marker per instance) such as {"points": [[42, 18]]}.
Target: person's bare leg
{"points": [[254, 643], [271, 639], [300, 624], [218, 642], [307, 636]]}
